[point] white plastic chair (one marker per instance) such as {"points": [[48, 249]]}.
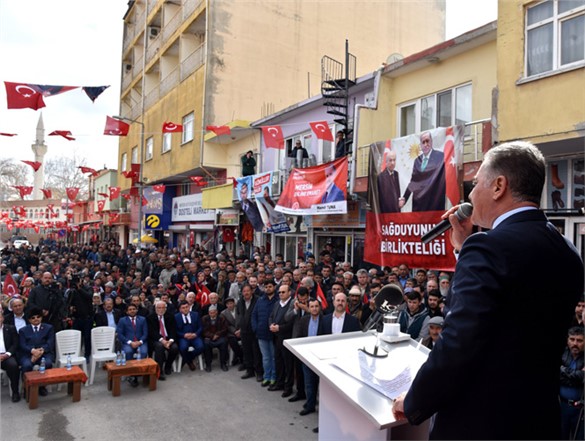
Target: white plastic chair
{"points": [[5, 380], [69, 343], [103, 340], [179, 360]]}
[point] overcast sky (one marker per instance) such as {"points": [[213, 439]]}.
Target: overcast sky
{"points": [[79, 43]]}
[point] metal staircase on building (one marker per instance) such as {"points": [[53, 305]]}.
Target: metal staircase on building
{"points": [[335, 84]]}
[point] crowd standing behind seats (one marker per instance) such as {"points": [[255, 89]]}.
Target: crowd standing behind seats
{"points": [[152, 298]]}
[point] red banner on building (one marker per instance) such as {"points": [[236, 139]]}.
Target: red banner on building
{"points": [[321, 189], [412, 182]]}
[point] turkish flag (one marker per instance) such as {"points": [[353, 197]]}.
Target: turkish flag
{"points": [[50, 207], [103, 195], [321, 297], [23, 96], [36, 228], [72, 192], [452, 186], [219, 130], [114, 217], [115, 127], [199, 181], [47, 90], [10, 287], [100, 205], [88, 170], [129, 174], [321, 130], [127, 196], [160, 188], [273, 137], [64, 133], [114, 193], [34, 164], [23, 190], [169, 127], [47, 192], [7, 134], [202, 296], [144, 201]]}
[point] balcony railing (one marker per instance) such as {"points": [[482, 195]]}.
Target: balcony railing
{"points": [[153, 48], [151, 5], [189, 6], [137, 68], [152, 97], [170, 27], [193, 62], [126, 80], [170, 81]]}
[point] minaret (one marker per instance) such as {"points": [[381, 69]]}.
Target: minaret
{"points": [[40, 150]]}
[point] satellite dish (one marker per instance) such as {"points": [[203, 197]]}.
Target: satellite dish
{"points": [[393, 58]]}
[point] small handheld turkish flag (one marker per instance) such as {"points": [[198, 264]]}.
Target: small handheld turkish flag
{"points": [[115, 127], [10, 287], [169, 127], [273, 137], [321, 130]]}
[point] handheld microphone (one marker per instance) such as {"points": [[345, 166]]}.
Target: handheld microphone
{"points": [[463, 212]]}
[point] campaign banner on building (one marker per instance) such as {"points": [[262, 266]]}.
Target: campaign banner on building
{"points": [[189, 208], [154, 201], [274, 221], [321, 189], [412, 181], [245, 192]]}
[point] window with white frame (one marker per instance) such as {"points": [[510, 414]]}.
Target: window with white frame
{"points": [[134, 155], [149, 148], [124, 162], [166, 143], [555, 35], [441, 109], [188, 123]]}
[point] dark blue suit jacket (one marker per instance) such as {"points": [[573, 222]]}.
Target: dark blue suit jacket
{"points": [[494, 373], [428, 186], [44, 338], [350, 323], [126, 332], [183, 328], [334, 195], [253, 215]]}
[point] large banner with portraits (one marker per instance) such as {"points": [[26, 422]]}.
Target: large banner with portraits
{"points": [[412, 181], [255, 196], [321, 189]]}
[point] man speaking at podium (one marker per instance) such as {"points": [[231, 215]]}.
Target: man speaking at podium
{"points": [[494, 372]]}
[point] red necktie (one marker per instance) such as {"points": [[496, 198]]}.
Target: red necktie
{"points": [[134, 327], [162, 327]]}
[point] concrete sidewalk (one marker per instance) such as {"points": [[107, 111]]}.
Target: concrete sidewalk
{"points": [[188, 405]]}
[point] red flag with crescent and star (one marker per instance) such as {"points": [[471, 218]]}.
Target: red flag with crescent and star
{"points": [[64, 133], [23, 96], [88, 170], [114, 193], [199, 181], [321, 297], [115, 127], [321, 130], [169, 127], [273, 137], [160, 188], [219, 130], [10, 288], [34, 164], [202, 296], [451, 185], [127, 196], [100, 205], [23, 190], [72, 192], [47, 192]]}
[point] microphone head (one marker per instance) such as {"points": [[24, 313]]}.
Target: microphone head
{"points": [[464, 211], [389, 296]]}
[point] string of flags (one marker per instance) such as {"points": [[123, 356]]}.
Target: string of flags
{"points": [[30, 96]]}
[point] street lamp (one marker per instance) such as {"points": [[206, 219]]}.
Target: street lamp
{"points": [[140, 177]]}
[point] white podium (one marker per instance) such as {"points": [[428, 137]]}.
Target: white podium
{"points": [[349, 409]]}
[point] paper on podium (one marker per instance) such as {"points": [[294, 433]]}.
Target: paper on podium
{"points": [[390, 376]]}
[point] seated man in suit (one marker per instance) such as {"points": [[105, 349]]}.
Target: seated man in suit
{"points": [[16, 318], [36, 341], [214, 334], [338, 321], [162, 338], [132, 333], [108, 315], [189, 332], [8, 348]]}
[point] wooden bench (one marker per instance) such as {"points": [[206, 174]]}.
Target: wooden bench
{"points": [[147, 368], [34, 379]]}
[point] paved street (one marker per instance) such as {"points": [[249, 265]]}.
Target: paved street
{"points": [[195, 405]]}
